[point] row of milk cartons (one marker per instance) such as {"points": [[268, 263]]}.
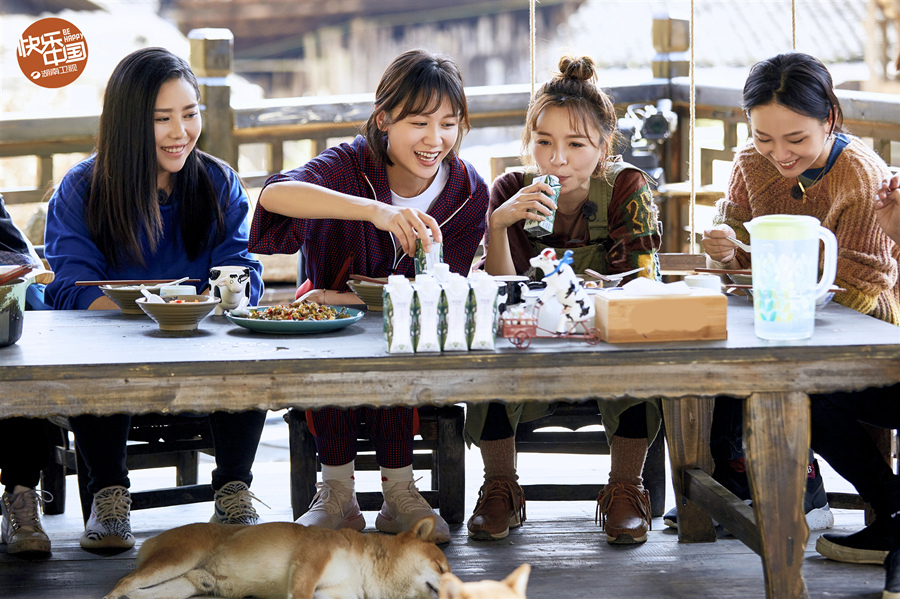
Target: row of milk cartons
{"points": [[440, 311]]}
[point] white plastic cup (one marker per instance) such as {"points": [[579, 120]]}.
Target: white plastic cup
{"points": [[704, 281], [172, 290]]}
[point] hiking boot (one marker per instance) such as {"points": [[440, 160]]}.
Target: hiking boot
{"points": [[892, 575], [21, 527], [334, 506], [403, 506], [234, 505], [109, 526], [500, 506], [624, 512], [815, 502], [867, 546]]}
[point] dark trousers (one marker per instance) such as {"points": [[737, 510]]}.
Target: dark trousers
{"points": [[391, 429], [25, 449], [839, 438], [101, 441], [632, 423]]}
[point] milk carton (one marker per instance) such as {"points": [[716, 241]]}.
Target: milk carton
{"points": [[426, 261], [457, 322], [483, 306], [426, 314], [398, 315], [544, 227]]}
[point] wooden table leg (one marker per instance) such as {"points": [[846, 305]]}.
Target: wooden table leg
{"points": [[776, 449], [688, 420]]}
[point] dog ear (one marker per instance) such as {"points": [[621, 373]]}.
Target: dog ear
{"points": [[451, 587], [423, 528], [518, 580]]}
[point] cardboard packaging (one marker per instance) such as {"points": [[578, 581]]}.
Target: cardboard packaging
{"points": [[426, 314], [398, 315], [624, 318], [483, 308], [458, 321], [544, 227]]}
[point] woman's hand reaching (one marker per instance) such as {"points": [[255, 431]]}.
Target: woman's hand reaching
{"points": [[887, 208], [716, 246], [407, 225]]}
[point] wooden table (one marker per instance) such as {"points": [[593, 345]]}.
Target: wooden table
{"points": [[103, 362]]}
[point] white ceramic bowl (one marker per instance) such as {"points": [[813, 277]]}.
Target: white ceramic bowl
{"points": [[179, 312], [124, 296], [370, 293]]}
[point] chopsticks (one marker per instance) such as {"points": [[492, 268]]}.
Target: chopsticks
{"points": [[725, 271], [366, 279], [15, 274], [832, 289], [134, 282]]}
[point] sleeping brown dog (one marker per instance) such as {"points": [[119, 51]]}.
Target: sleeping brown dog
{"points": [[284, 559]]}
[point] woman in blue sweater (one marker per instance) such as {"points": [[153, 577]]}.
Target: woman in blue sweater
{"points": [[150, 205]]}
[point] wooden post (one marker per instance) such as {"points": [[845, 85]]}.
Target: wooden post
{"points": [[671, 39], [212, 59]]}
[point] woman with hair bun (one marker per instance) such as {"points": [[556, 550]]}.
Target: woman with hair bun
{"points": [[606, 216]]}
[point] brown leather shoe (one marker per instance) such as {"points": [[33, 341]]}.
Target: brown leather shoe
{"points": [[624, 512], [501, 506]]}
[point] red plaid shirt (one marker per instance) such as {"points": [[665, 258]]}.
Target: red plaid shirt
{"points": [[327, 243]]}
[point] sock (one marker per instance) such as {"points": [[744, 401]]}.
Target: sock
{"points": [[499, 458], [392, 476], [342, 474], [627, 456]]}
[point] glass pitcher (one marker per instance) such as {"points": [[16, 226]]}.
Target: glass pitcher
{"points": [[785, 264]]}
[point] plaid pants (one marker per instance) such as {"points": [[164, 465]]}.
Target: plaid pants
{"points": [[391, 429]]}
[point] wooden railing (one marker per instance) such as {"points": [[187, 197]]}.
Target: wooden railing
{"points": [[228, 126]]}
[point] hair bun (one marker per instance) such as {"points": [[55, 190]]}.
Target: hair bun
{"points": [[580, 68]]}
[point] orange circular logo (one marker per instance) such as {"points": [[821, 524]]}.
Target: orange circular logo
{"points": [[52, 52]]}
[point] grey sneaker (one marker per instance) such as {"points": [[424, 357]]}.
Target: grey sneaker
{"points": [[109, 526], [404, 506], [21, 527], [334, 506], [234, 505]]}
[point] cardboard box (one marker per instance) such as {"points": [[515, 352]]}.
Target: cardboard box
{"points": [[622, 318]]}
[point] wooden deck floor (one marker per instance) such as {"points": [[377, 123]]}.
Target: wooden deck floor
{"points": [[567, 550]]}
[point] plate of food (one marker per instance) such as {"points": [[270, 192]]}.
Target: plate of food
{"points": [[307, 317]]}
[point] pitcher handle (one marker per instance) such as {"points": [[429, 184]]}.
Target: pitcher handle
{"points": [[829, 267]]}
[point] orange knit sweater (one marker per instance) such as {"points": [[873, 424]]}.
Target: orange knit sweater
{"points": [[842, 200]]}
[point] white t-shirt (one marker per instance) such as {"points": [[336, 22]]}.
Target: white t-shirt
{"points": [[424, 200]]}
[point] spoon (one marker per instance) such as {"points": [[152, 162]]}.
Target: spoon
{"points": [[740, 244], [616, 278], [152, 298]]}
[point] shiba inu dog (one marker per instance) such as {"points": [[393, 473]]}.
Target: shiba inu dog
{"points": [[511, 587], [285, 560]]}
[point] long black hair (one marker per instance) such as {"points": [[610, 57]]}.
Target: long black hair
{"points": [[797, 81], [122, 208]]}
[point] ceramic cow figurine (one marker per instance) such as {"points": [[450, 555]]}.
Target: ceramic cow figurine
{"points": [[561, 281], [232, 284]]}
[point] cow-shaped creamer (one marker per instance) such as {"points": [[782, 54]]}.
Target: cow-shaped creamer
{"points": [[577, 306], [232, 285]]}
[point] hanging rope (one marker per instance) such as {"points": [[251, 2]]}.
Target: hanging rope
{"points": [[693, 116], [531, 42], [794, 24]]}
